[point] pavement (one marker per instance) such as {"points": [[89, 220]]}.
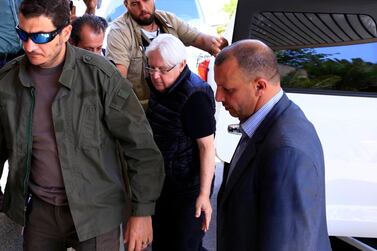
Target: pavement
{"points": [[10, 234], [11, 239]]}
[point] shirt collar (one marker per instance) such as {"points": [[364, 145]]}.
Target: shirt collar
{"points": [[252, 123]]}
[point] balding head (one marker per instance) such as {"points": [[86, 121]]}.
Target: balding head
{"points": [[247, 77], [254, 58]]}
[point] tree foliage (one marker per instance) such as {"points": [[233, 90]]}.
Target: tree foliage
{"points": [[230, 7], [323, 71]]}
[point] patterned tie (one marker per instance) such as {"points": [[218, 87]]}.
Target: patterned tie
{"points": [[238, 152]]}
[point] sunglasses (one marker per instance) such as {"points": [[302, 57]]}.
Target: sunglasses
{"points": [[38, 37]]}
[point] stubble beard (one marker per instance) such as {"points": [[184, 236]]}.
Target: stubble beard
{"points": [[145, 22]]}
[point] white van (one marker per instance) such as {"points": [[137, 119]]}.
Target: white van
{"points": [[327, 53]]}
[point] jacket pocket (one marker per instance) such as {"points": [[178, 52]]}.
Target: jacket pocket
{"points": [[89, 135]]}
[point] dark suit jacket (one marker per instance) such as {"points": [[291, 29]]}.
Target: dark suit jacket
{"points": [[275, 197]]}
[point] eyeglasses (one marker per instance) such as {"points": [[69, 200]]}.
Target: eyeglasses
{"points": [[162, 71], [38, 37]]}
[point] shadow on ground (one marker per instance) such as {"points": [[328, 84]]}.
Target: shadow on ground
{"points": [[11, 239]]}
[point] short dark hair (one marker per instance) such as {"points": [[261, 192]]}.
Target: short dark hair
{"points": [[253, 57], [97, 23], [57, 10]]}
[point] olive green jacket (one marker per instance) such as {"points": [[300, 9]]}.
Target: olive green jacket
{"points": [[93, 110]]}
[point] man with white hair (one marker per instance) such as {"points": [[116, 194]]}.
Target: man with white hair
{"points": [[131, 33], [180, 102]]}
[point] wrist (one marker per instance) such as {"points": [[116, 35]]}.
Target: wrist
{"points": [[204, 193]]}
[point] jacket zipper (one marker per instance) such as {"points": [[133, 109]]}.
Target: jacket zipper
{"points": [[29, 149]]}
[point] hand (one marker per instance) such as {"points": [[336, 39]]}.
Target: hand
{"points": [[203, 204], [73, 14], [139, 233], [217, 44]]}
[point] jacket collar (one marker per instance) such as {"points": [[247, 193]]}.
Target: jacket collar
{"points": [[252, 145], [160, 20], [66, 77]]}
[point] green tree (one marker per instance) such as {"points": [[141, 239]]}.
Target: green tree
{"points": [[228, 8], [298, 57], [324, 72]]}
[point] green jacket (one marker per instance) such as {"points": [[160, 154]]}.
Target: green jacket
{"points": [[94, 109]]}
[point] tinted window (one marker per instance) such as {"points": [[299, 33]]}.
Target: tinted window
{"points": [[185, 9], [116, 12], [351, 68]]}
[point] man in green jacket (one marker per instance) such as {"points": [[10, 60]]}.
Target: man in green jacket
{"points": [[63, 111]]}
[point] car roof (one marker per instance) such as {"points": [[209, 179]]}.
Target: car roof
{"points": [[294, 24]]}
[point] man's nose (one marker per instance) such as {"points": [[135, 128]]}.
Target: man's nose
{"points": [[143, 6], [97, 51], [155, 75], [29, 45], [219, 96]]}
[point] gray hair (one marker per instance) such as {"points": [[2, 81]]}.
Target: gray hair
{"points": [[171, 49]]}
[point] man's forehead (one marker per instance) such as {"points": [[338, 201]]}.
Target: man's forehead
{"points": [[42, 16], [36, 23], [87, 28]]}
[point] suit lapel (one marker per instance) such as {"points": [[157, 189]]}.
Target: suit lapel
{"points": [[250, 151]]}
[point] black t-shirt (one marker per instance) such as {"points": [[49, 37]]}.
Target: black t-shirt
{"points": [[198, 116]]}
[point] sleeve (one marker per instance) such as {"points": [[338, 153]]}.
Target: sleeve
{"points": [[3, 158], [198, 116], [291, 202], [118, 47], [186, 33], [127, 122]]}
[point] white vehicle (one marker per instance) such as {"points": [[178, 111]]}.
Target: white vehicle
{"points": [[327, 53]]}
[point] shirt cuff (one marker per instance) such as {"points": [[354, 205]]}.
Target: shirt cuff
{"points": [[143, 209]]}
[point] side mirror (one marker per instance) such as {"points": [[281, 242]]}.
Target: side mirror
{"points": [[234, 129]]}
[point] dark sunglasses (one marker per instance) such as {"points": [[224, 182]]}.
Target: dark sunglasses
{"points": [[38, 37]]}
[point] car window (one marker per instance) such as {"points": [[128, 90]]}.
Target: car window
{"points": [[350, 68], [321, 48], [185, 9], [116, 12]]}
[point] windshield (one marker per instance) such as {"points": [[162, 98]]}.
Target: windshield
{"points": [[187, 10]]}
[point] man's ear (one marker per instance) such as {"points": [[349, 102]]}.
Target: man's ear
{"points": [[260, 85], [182, 65], [66, 32]]}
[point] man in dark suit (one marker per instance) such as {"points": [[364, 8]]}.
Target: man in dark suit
{"points": [[273, 194]]}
